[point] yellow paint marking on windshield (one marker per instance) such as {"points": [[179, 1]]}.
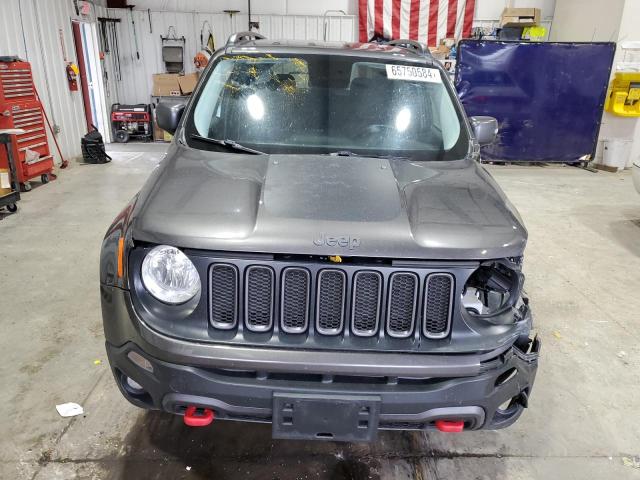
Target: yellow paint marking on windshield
{"points": [[288, 88], [249, 57], [298, 62], [231, 87]]}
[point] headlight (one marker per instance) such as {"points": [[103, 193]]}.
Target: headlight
{"points": [[169, 275], [492, 289]]}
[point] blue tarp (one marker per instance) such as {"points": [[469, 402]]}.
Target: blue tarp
{"points": [[547, 97]]}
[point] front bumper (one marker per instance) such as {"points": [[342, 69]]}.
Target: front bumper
{"points": [[405, 404], [486, 391]]}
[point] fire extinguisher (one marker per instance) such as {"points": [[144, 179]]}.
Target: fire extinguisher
{"points": [[72, 76]]}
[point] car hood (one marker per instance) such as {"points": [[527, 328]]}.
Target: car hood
{"points": [[327, 205]]}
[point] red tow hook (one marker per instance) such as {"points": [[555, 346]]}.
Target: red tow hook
{"points": [[192, 419], [450, 426]]}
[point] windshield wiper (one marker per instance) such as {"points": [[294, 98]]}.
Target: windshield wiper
{"points": [[230, 144], [349, 153]]}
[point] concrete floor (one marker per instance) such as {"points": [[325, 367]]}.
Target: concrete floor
{"points": [[582, 268]]}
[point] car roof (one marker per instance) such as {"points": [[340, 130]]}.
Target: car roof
{"points": [[374, 50]]}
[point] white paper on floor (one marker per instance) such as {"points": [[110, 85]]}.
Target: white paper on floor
{"points": [[69, 409]]}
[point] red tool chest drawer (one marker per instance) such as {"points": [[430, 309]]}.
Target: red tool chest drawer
{"points": [[16, 82], [27, 116], [21, 108]]}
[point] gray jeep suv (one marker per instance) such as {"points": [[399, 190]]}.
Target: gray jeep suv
{"points": [[321, 249]]}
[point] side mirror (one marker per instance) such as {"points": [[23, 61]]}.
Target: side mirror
{"points": [[485, 129], [168, 115]]}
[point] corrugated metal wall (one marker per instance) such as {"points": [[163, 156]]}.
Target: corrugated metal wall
{"points": [[35, 31], [135, 84]]}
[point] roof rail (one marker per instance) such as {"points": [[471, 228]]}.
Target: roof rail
{"points": [[238, 37], [417, 47]]}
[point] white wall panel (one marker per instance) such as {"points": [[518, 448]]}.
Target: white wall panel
{"points": [[39, 43], [11, 39], [598, 21], [297, 7]]}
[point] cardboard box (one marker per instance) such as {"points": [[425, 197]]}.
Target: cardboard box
{"points": [[5, 182], [174, 84], [520, 17], [158, 133], [188, 82], [440, 53], [166, 84]]}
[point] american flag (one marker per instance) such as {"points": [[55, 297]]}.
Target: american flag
{"points": [[427, 21]]}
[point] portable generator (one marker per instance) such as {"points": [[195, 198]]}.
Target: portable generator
{"points": [[131, 121]]}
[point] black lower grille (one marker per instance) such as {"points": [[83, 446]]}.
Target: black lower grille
{"points": [[437, 304], [366, 303], [259, 298], [295, 300], [330, 304], [403, 294], [224, 296]]}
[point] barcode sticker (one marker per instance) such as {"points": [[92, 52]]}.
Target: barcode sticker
{"points": [[416, 74]]}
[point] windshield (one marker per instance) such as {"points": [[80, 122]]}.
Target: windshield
{"points": [[328, 104]]}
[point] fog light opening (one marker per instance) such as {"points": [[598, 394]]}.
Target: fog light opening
{"points": [[134, 386], [132, 390]]}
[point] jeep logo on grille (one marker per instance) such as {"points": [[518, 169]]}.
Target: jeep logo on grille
{"points": [[344, 241]]}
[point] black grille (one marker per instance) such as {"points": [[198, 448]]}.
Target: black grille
{"points": [[224, 296], [402, 304], [437, 304], [330, 304], [377, 301], [259, 298], [295, 300], [366, 303]]}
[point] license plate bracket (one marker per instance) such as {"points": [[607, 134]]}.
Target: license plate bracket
{"points": [[346, 418]]}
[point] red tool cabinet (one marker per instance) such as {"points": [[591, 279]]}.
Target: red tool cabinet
{"points": [[21, 108]]}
